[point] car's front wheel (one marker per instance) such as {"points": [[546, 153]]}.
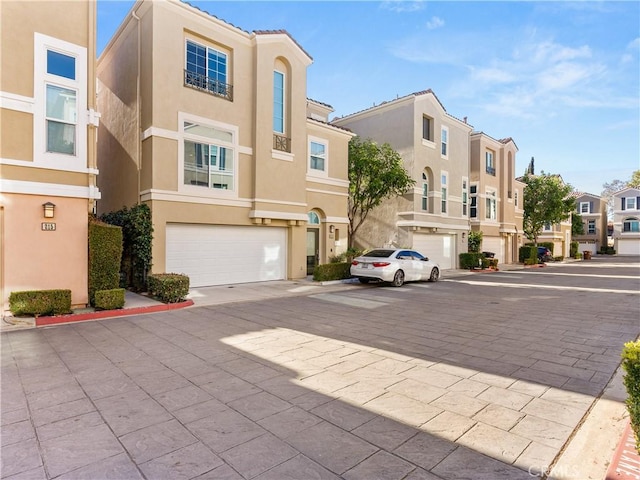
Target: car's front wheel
{"points": [[398, 279], [435, 275]]}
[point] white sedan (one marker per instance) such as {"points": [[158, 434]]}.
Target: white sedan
{"points": [[395, 266]]}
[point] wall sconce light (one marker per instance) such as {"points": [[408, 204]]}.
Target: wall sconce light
{"points": [[49, 209], [332, 228]]}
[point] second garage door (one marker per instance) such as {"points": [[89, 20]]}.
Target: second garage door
{"points": [[438, 248], [218, 255]]}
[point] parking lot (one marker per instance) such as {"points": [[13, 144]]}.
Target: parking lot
{"points": [[475, 376]]}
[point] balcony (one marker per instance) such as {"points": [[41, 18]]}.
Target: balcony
{"points": [[491, 170], [209, 85], [281, 143]]}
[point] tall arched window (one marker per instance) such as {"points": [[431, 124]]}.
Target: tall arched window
{"points": [[425, 192], [314, 219]]}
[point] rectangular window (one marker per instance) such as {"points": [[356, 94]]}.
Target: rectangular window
{"points": [[427, 128], [591, 227], [61, 118], [317, 156], [207, 161], [61, 65], [584, 207], [491, 211], [547, 227], [630, 203], [425, 195], [445, 141], [515, 198], [473, 207], [489, 161], [278, 102], [206, 68], [465, 199], [631, 225], [443, 181]]}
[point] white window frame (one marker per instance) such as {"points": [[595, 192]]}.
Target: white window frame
{"points": [[182, 136], [473, 199], [630, 221], [490, 161], [630, 203], [41, 157], [207, 49], [424, 202], [491, 205], [444, 141], [584, 207], [314, 171], [444, 192], [547, 227], [465, 197], [591, 227]]}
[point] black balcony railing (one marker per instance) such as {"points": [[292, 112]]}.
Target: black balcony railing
{"points": [[491, 170], [209, 85], [281, 143]]}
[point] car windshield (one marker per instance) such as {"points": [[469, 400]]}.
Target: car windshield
{"points": [[379, 253]]}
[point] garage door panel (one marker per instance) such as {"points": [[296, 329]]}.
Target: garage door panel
{"points": [[438, 248], [217, 255], [587, 247], [495, 245], [628, 247]]}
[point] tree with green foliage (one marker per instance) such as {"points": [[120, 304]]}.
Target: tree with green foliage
{"points": [[577, 227], [376, 173], [635, 180], [546, 201], [474, 242]]}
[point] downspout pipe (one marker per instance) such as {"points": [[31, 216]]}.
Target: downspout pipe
{"points": [[138, 109]]}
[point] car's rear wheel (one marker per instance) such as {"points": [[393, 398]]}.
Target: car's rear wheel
{"points": [[364, 280], [398, 279], [435, 275]]}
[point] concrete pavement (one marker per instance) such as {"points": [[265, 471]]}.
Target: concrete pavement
{"points": [[478, 376]]}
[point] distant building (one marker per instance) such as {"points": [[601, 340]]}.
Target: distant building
{"points": [[626, 221], [593, 212]]}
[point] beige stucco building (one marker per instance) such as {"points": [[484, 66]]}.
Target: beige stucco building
{"points": [[626, 221], [495, 196], [210, 126], [48, 145], [593, 212], [434, 145]]}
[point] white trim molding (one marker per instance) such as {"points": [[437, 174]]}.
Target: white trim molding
{"points": [[277, 215], [335, 182], [327, 192], [172, 196], [52, 189], [28, 164], [19, 103]]}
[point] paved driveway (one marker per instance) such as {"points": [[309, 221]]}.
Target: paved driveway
{"points": [[479, 376]]}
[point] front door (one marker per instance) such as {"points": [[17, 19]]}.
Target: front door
{"points": [[313, 249]]}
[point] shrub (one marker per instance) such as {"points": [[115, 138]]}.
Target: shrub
{"points": [[109, 299], [558, 259], [169, 287], [493, 262], [528, 254], [611, 251], [332, 271], [137, 231], [474, 241], [105, 252], [470, 260], [578, 255], [40, 302], [573, 249], [631, 366]]}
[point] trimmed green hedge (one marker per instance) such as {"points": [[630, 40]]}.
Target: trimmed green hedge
{"points": [[331, 271], [105, 253], [471, 260], [40, 302], [109, 299], [631, 366], [168, 287], [528, 254]]}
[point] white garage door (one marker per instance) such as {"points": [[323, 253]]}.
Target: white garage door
{"points": [[217, 255], [587, 247], [628, 247], [438, 248], [495, 245]]}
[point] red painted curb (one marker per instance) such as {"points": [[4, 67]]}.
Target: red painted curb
{"points": [[625, 464], [486, 270], [80, 317]]}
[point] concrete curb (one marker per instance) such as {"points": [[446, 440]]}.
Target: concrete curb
{"points": [[80, 317]]}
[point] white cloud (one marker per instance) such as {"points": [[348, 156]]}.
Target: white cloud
{"points": [[435, 22], [403, 6]]}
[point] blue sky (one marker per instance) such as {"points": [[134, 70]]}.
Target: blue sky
{"points": [[561, 78]]}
